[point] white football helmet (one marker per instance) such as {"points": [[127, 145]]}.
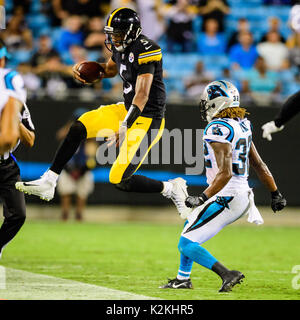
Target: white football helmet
{"points": [[217, 96]]}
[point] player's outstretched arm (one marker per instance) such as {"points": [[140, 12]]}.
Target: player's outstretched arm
{"points": [[9, 124], [289, 109], [223, 155], [278, 202]]}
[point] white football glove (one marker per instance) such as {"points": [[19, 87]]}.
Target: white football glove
{"points": [[269, 128]]}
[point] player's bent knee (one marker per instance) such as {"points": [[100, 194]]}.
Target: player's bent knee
{"points": [[183, 245], [77, 131], [124, 185]]}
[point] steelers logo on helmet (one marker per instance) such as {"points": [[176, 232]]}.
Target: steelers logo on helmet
{"points": [[217, 96], [123, 27]]}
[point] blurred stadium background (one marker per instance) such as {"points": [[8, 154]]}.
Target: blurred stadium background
{"points": [[200, 43], [249, 42]]}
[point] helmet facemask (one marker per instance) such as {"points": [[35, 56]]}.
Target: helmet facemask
{"points": [[124, 39]]}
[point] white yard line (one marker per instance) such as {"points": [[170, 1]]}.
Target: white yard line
{"points": [[24, 285]]}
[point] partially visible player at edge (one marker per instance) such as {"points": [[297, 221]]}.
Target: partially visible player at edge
{"points": [[289, 109], [228, 150], [15, 126], [138, 60]]}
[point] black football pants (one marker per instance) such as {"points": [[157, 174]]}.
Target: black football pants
{"points": [[14, 209]]}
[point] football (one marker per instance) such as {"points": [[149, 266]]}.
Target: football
{"points": [[90, 71]]}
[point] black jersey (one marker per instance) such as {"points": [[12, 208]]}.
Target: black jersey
{"points": [[289, 109], [142, 56]]}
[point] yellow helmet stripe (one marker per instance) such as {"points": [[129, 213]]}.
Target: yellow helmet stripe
{"points": [[113, 14]]}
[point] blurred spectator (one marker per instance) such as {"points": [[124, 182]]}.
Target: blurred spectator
{"points": [[31, 81], [243, 54], [47, 65], [227, 75], [195, 83], [71, 34], [94, 36], [293, 45], [261, 84], [24, 5], [114, 4], [44, 51], [180, 27], [77, 54], [214, 9], [76, 178], [274, 25], [242, 25], [274, 52], [211, 42], [17, 36], [152, 20], [89, 8], [51, 73]]}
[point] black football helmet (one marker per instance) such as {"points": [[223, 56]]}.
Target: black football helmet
{"points": [[123, 26]]}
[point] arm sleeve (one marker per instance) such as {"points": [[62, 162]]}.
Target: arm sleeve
{"points": [[147, 68], [218, 132], [289, 109]]}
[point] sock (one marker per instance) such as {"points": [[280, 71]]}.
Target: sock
{"points": [[166, 192], [141, 184], [76, 134], [185, 267], [219, 269], [195, 252], [52, 177]]}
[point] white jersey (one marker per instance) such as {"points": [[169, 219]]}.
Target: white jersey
{"points": [[12, 85], [238, 134]]}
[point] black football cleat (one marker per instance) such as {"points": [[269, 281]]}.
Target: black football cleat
{"points": [[178, 284], [232, 278]]}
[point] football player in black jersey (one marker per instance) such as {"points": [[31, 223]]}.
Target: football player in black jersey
{"points": [[129, 124]]}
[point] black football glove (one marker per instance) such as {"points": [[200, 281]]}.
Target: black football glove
{"points": [[195, 201], [278, 202]]}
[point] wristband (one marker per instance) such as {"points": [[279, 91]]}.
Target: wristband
{"points": [[203, 197], [133, 113]]}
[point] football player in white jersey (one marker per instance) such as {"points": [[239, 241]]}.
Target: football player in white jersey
{"points": [[15, 126], [228, 150]]}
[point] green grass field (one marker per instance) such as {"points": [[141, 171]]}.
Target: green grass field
{"points": [[138, 257]]}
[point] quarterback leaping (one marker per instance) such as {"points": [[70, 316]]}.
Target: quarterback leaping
{"points": [[138, 60]]}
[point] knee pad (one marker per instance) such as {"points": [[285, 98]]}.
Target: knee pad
{"points": [[77, 131]]}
